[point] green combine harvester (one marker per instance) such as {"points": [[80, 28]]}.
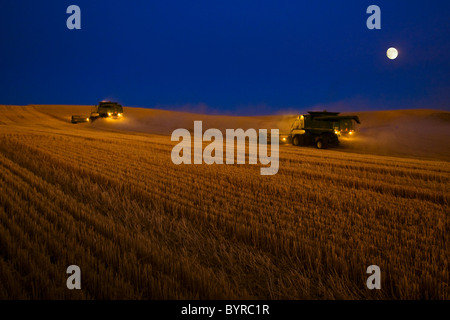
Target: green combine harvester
{"points": [[105, 109], [321, 129]]}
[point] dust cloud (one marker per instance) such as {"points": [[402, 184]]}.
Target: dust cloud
{"points": [[165, 122], [411, 133]]}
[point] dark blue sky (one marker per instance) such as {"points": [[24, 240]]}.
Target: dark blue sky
{"points": [[241, 57]]}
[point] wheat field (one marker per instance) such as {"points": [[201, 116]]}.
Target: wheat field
{"points": [[139, 227]]}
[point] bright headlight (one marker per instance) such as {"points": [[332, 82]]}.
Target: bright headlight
{"points": [[109, 113]]}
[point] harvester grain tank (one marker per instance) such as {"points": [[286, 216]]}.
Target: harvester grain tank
{"points": [[321, 129]]}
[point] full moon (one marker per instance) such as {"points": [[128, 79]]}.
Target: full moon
{"points": [[392, 53]]}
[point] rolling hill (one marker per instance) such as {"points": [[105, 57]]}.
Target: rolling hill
{"points": [[106, 196]]}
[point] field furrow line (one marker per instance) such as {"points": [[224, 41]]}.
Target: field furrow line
{"points": [[157, 254]]}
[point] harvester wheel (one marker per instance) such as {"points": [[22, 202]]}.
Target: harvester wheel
{"points": [[296, 141], [320, 144]]}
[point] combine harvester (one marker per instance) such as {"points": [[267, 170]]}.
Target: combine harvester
{"points": [[105, 109], [321, 129]]}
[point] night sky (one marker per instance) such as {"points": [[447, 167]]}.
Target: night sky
{"points": [[231, 57]]}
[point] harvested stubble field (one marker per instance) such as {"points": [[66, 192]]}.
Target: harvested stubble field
{"points": [[109, 199]]}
